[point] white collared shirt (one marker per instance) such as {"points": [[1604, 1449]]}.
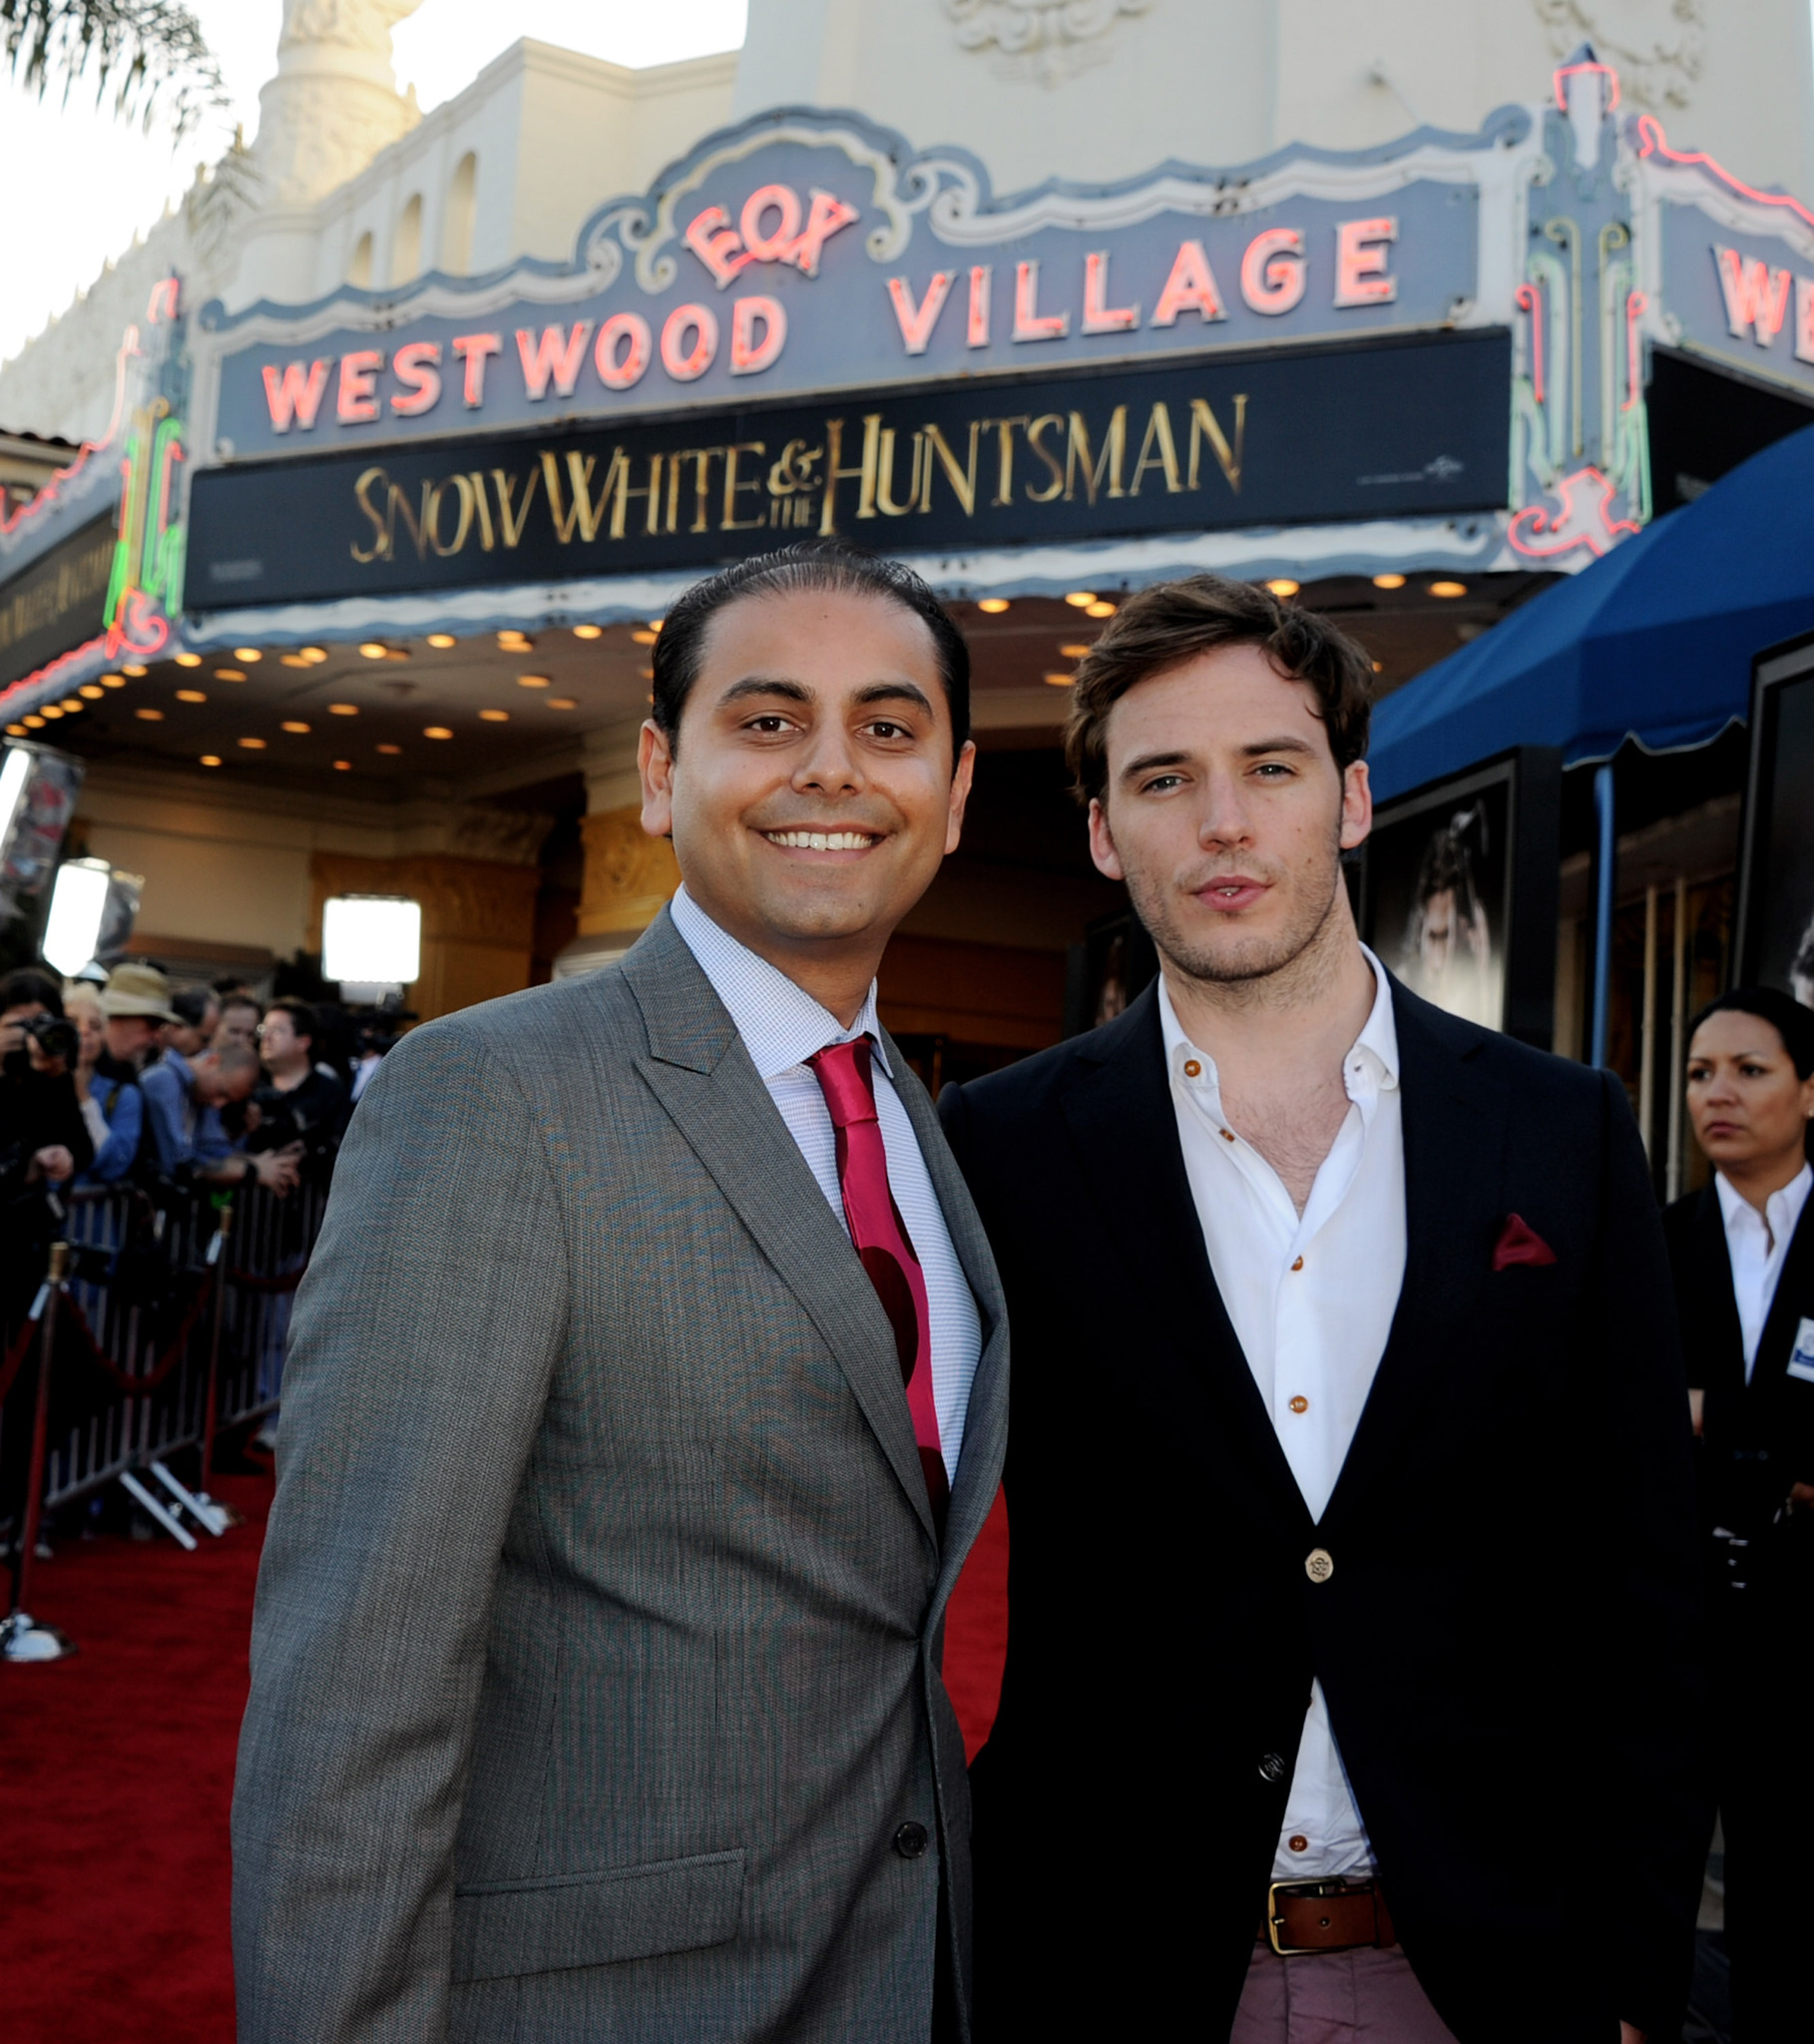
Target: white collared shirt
{"points": [[782, 1026], [1311, 1297], [1756, 1245]]}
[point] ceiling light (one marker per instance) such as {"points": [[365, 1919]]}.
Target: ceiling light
{"points": [[1379, 667], [51, 711], [396, 653], [589, 630], [249, 654], [562, 703], [314, 655], [113, 680], [1060, 681], [295, 660], [494, 716], [188, 660], [436, 731], [253, 745], [131, 668], [78, 907], [371, 939], [343, 710], [210, 758], [150, 716], [1282, 585], [32, 722], [645, 638], [994, 605], [1099, 608], [342, 766], [648, 673], [441, 640], [514, 641], [228, 673], [1388, 582], [74, 703], [1073, 651], [299, 729], [393, 749], [191, 695], [655, 624], [1448, 589], [371, 650], [15, 731], [532, 681]]}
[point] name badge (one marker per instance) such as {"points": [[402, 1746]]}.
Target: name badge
{"points": [[1801, 1357]]}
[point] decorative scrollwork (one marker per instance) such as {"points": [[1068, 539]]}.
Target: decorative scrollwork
{"points": [[1655, 46], [1046, 40]]}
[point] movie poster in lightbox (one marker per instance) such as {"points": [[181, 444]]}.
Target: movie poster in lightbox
{"points": [[1778, 941], [1438, 894]]}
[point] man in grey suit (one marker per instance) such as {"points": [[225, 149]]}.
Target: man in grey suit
{"points": [[645, 1396]]}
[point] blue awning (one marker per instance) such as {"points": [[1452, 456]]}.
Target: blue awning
{"points": [[1653, 642]]}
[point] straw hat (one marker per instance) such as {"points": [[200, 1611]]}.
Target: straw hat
{"points": [[137, 990]]}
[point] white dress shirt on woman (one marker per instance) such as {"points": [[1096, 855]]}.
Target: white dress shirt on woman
{"points": [[1756, 1245], [782, 1026], [1311, 1297]]}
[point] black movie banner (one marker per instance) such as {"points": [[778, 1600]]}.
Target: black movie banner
{"points": [[60, 601], [1404, 429]]}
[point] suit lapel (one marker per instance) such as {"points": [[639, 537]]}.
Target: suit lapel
{"points": [[1119, 1106], [1725, 1371], [1454, 1123], [1793, 1300], [699, 1071], [986, 1418]]}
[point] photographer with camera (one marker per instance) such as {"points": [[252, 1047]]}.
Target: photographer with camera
{"points": [[301, 1103], [183, 1099], [43, 1137]]}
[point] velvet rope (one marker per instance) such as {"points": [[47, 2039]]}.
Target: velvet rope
{"points": [[139, 1386], [16, 1355]]}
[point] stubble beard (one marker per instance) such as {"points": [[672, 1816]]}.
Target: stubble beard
{"points": [[1249, 967]]}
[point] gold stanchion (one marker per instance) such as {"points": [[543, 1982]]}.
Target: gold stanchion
{"points": [[21, 1637]]}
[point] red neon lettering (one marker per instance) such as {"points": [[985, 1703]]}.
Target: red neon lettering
{"points": [[357, 403], [1804, 321], [162, 303], [619, 371], [715, 241], [827, 214], [1360, 262], [1099, 316], [1637, 304], [557, 354], [1756, 296], [778, 246], [472, 348], [1190, 288], [747, 353], [703, 322], [1030, 323], [1529, 299], [1272, 271], [415, 369], [1651, 141], [294, 397], [980, 276], [917, 321]]}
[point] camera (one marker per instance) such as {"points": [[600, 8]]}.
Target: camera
{"points": [[56, 1037]]}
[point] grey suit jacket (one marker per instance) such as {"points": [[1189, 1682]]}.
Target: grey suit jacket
{"points": [[595, 1659]]}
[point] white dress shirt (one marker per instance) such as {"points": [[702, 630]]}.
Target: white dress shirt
{"points": [[1311, 1297], [782, 1026], [1756, 1245]]}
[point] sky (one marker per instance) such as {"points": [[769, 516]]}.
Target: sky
{"points": [[98, 180]]}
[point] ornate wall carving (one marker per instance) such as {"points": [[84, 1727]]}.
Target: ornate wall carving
{"points": [[1655, 46], [1038, 39], [628, 876]]}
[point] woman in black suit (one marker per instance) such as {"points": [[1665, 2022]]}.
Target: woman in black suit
{"points": [[1743, 1252]]}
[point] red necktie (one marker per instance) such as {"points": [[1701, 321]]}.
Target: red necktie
{"points": [[880, 1236]]}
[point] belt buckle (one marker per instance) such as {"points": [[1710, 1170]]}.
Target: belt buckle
{"points": [[1275, 1922]]}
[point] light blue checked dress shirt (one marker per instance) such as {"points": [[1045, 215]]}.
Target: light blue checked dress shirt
{"points": [[782, 1026]]}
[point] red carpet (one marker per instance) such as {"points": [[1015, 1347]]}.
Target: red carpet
{"points": [[114, 1874]]}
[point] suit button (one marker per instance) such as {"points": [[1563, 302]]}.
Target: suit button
{"points": [[1272, 1768], [1319, 1564], [910, 1840], [1298, 1842]]}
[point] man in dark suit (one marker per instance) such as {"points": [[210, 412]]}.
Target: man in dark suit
{"points": [[1743, 1252], [1353, 1581], [646, 1391]]}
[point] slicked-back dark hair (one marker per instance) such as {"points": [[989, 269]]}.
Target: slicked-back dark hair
{"points": [[304, 1020], [833, 565], [1173, 622], [1791, 1021]]}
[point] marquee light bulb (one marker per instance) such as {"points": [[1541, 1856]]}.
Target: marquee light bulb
{"points": [[1060, 681], [78, 903], [589, 630], [994, 605], [1388, 582], [371, 650], [441, 640], [1282, 585], [1082, 598], [188, 660], [249, 654], [1101, 608], [134, 669], [1448, 589]]}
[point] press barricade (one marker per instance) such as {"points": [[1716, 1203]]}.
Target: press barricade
{"points": [[158, 1323]]}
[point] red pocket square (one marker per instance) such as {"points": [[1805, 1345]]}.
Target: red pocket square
{"points": [[1520, 1243]]}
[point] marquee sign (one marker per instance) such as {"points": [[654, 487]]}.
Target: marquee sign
{"points": [[1413, 426], [805, 253]]}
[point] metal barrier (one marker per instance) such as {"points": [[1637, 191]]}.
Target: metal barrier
{"points": [[165, 1322]]}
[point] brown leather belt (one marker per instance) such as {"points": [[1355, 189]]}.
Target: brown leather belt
{"points": [[1326, 1916]]}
